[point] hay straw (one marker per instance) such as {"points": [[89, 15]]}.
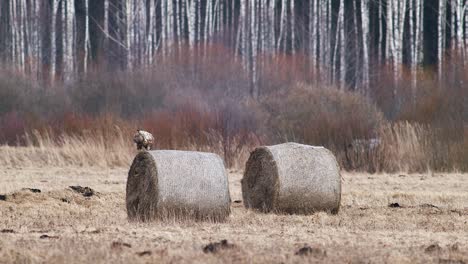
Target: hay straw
{"points": [[292, 178], [177, 184]]}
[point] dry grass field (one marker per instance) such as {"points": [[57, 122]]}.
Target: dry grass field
{"points": [[59, 225]]}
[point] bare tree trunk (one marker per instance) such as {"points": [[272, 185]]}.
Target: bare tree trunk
{"points": [[342, 44], [254, 32], [283, 21], [365, 43], [441, 35], [26, 35], [293, 28], [46, 40], [350, 46], [96, 31], [191, 16], [117, 49], [5, 32], [59, 41], [430, 46], [335, 30], [80, 35]]}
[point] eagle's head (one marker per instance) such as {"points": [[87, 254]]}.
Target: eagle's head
{"points": [[138, 138]]}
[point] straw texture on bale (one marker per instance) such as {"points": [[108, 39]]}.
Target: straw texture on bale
{"points": [[292, 178], [177, 184]]}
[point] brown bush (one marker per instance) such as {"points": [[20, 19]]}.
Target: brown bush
{"points": [[323, 116]]}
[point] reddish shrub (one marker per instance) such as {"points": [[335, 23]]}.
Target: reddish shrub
{"points": [[12, 127]]}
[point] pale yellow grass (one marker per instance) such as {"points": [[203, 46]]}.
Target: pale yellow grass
{"points": [[93, 149], [406, 146], [365, 231], [98, 149]]}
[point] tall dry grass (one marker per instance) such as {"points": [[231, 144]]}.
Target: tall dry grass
{"points": [[89, 150], [398, 147], [204, 104], [406, 147], [99, 150]]}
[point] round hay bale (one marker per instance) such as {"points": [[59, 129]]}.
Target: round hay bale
{"points": [[292, 178], [177, 184]]}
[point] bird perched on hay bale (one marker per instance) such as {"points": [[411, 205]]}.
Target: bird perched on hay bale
{"points": [[143, 140]]}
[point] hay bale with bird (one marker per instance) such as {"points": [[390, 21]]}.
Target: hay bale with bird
{"points": [[292, 178], [168, 184]]}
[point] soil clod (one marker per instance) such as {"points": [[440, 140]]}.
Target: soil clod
{"points": [[48, 237], [3, 197], [33, 190], [394, 205], [428, 206], [120, 245], [432, 248], [308, 251], [217, 246], [455, 247], [451, 261], [85, 191], [144, 253]]}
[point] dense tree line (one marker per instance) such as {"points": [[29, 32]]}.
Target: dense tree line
{"points": [[345, 42]]}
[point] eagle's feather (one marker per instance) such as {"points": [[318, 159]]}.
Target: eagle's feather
{"points": [[143, 139]]}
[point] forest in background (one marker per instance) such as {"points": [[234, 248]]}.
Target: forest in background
{"points": [[238, 73]]}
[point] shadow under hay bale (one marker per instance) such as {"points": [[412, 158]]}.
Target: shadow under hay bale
{"points": [[292, 178], [169, 184]]}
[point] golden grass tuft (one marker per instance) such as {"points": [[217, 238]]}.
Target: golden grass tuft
{"points": [[88, 150]]}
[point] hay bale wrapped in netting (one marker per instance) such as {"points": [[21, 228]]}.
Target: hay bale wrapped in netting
{"points": [[292, 178], [177, 184]]}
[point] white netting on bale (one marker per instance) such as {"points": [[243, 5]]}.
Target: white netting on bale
{"points": [[292, 178], [177, 184]]}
